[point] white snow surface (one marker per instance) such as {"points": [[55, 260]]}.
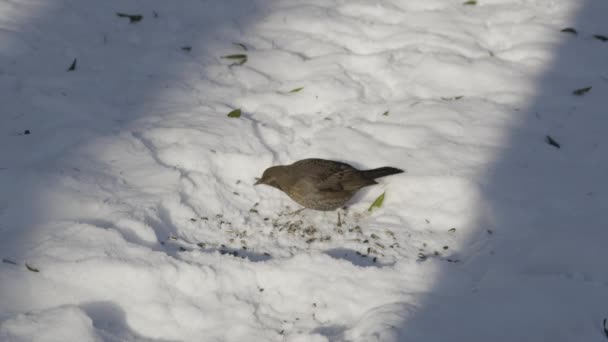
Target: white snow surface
{"points": [[129, 212]]}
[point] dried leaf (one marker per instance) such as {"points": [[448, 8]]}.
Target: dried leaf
{"points": [[72, 66], [569, 30], [7, 261], [241, 45], [295, 90], [31, 268], [385, 113], [581, 91], [235, 113], [187, 48], [600, 37], [552, 141], [452, 230], [377, 203], [470, 3]]}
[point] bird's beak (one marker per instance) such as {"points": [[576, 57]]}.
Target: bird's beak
{"points": [[258, 182]]}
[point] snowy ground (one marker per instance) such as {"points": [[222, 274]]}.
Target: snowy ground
{"points": [[128, 212]]}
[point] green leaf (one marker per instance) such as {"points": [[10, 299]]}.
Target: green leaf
{"points": [[72, 66], [295, 90], [237, 56], [385, 113], [133, 18], [470, 3], [32, 268], [452, 98], [235, 113], [581, 91], [241, 59], [377, 203], [241, 45]]}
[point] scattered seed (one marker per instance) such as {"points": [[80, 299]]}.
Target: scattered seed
{"points": [[445, 247]]}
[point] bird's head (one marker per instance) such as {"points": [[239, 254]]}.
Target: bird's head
{"points": [[271, 177]]}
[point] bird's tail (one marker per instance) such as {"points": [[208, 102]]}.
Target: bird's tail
{"points": [[381, 172]]}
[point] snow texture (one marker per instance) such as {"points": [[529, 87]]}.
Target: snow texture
{"points": [[128, 211]]}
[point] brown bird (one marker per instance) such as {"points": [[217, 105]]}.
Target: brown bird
{"points": [[321, 184]]}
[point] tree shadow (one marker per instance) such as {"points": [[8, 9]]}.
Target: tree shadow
{"points": [[78, 79], [110, 323], [124, 71], [539, 276]]}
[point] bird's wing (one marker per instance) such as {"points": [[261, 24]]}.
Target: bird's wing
{"points": [[347, 179]]}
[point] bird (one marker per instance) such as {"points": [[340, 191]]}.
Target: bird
{"points": [[322, 184]]}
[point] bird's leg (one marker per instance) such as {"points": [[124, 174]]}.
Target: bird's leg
{"points": [[339, 221]]}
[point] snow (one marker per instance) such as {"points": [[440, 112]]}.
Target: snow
{"points": [[128, 213]]}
